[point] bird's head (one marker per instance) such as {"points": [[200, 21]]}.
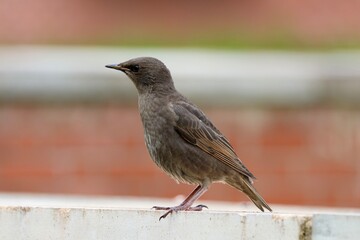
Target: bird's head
{"points": [[147, 73]]}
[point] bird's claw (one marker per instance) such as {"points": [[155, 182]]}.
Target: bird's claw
{"points": [[198, 207], [161, 208], [167, 213], [178, 208]]}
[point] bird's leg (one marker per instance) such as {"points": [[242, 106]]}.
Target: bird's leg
{"points": [[186, 204]]}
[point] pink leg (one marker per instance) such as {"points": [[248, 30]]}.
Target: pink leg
{"points": [[186, 204]]}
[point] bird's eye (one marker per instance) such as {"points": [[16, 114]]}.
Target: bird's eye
{"points": [[134, 68]]}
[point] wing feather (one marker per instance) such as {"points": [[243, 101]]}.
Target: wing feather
{"points": [[193, 126]]}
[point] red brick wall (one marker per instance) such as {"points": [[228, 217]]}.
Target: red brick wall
{"points": [[309, 156], [317, 22]]}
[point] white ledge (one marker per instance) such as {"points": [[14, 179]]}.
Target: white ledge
{"points": [[51, 221]]}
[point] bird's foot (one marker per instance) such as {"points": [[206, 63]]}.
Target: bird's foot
{"points": [[178, 208]]}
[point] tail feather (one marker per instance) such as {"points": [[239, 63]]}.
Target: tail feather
{"points": [[255, 197], [246, 187]]}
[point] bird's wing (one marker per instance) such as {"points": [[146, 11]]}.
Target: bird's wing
{"points": [[194, 127]]}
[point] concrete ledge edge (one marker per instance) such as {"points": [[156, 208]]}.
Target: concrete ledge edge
{"points": [[24, 222]]}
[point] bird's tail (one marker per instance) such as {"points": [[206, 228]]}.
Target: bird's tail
{"points": [[245, 186]]}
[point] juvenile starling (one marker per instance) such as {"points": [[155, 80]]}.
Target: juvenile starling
{"points": [[181, 140]]}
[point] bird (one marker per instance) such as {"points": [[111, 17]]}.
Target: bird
{"points": [[181, 139]]}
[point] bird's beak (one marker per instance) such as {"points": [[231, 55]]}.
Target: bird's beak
{"points": [[117, 67]]}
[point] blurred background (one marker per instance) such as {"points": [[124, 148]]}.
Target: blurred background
{"points": [[281, 79]]}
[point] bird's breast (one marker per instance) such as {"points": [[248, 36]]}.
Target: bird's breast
{"points": [[156, 126], [153, 145]]}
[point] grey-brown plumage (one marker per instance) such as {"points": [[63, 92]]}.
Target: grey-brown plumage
{"points": [[181, 140]]}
